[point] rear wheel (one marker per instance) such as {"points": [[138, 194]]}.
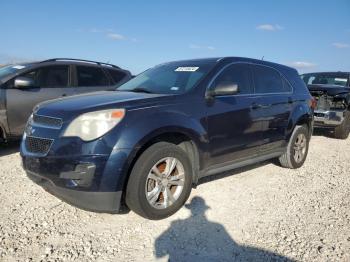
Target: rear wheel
{"points": [[342, 131], [297, 148], [160, 181]]}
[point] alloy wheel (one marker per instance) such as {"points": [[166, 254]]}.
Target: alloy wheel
{"points": [[165, 182], [300, 148]]}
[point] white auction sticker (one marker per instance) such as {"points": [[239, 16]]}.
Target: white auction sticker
{"points": [[187, 69], [18, 67], [341, 79]]}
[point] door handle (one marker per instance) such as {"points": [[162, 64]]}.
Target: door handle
{"points": [[255, 106], [258, 106], [64, 95]]}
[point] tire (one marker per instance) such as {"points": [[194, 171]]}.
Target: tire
{"points": [[143, 181], [288, 159], [342, 131]]}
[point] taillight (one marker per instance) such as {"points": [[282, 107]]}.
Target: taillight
{"points": [[313, 103]]}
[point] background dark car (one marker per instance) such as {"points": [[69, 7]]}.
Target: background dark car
{"points": [[25, 85], [146, 144], [332, 93]]}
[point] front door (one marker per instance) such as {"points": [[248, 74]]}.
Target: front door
{"points": [[50, 82], [234, 126]]}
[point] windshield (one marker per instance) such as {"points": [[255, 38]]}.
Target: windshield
{"points": [[338, 79], [8, 70], [172, 78]]}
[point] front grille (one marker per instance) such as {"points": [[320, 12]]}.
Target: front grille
{"points": [[38, 145], [47, 121], [319, 114], [323, 103]]}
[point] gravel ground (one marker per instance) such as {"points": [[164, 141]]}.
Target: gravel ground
{"points": [[263, 213]]}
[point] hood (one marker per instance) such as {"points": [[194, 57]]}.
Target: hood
{"points": [[80, 104], [331, 90]]}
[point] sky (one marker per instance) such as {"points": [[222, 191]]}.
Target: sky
{"points": [[136, 35]]}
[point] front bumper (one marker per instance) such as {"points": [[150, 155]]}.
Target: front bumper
{"points": [[90, 182], [90, 175], [108, 202], [93, 183], [328, 118]]}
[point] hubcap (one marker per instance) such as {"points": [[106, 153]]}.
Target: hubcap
{"points": [[165, 182], [300, 148]]}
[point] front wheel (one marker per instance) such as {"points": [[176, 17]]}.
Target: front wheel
{"points": [[342, 131], [297, 149], [160, 181]]}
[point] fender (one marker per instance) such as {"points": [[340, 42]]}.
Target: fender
{"points": [[145, 129], [301, 113], [3, 112], [161, 123], [3, 122], [345, 97]]}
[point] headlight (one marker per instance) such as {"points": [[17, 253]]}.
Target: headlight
{"points": [[93, 125]]}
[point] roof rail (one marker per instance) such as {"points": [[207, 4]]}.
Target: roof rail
{"points": [[79, 60]]}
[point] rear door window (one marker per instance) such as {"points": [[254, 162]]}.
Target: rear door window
{"points": [[268, 81], [91, 76]]}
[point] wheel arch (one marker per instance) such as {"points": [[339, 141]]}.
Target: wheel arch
{"points": [[301, 115], [183, 138], [3, 135]]}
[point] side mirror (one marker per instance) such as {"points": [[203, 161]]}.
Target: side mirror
{"points": [[23, 82], [224, 89]]}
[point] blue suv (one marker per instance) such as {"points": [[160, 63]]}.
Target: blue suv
{"points": [[145, 145]]}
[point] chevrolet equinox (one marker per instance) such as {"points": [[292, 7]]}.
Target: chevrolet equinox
{"points": [[145, 145]]}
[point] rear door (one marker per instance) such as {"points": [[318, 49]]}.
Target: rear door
{"points": [[91, 79], [50, 82], [273, 104], [234, 128]]}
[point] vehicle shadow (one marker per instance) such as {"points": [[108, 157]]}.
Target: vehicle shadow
{"points": [[9, 148], [198, 239], [326, 132], [236, 171]]}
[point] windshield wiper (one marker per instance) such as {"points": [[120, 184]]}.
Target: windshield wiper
{"points": [[140, 90]]}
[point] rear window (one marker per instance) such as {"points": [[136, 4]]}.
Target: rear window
{"points": [[116, 75], [326, 79], [91, 76], [267, 80]]}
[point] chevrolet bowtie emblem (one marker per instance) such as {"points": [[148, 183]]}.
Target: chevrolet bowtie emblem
{"points": [[30, 130]]}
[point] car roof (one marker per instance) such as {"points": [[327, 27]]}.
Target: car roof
{"points": [[231, 59], [72, 61], [78, 61], [27, 66], [330, 72]]}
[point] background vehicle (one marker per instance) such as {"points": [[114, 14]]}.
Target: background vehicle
{"points": [[148, 143], [23, 86], [332, 92]]}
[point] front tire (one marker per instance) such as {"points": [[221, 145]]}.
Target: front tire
{"points": [[297, 149], [342, 131], [160, 181]]}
